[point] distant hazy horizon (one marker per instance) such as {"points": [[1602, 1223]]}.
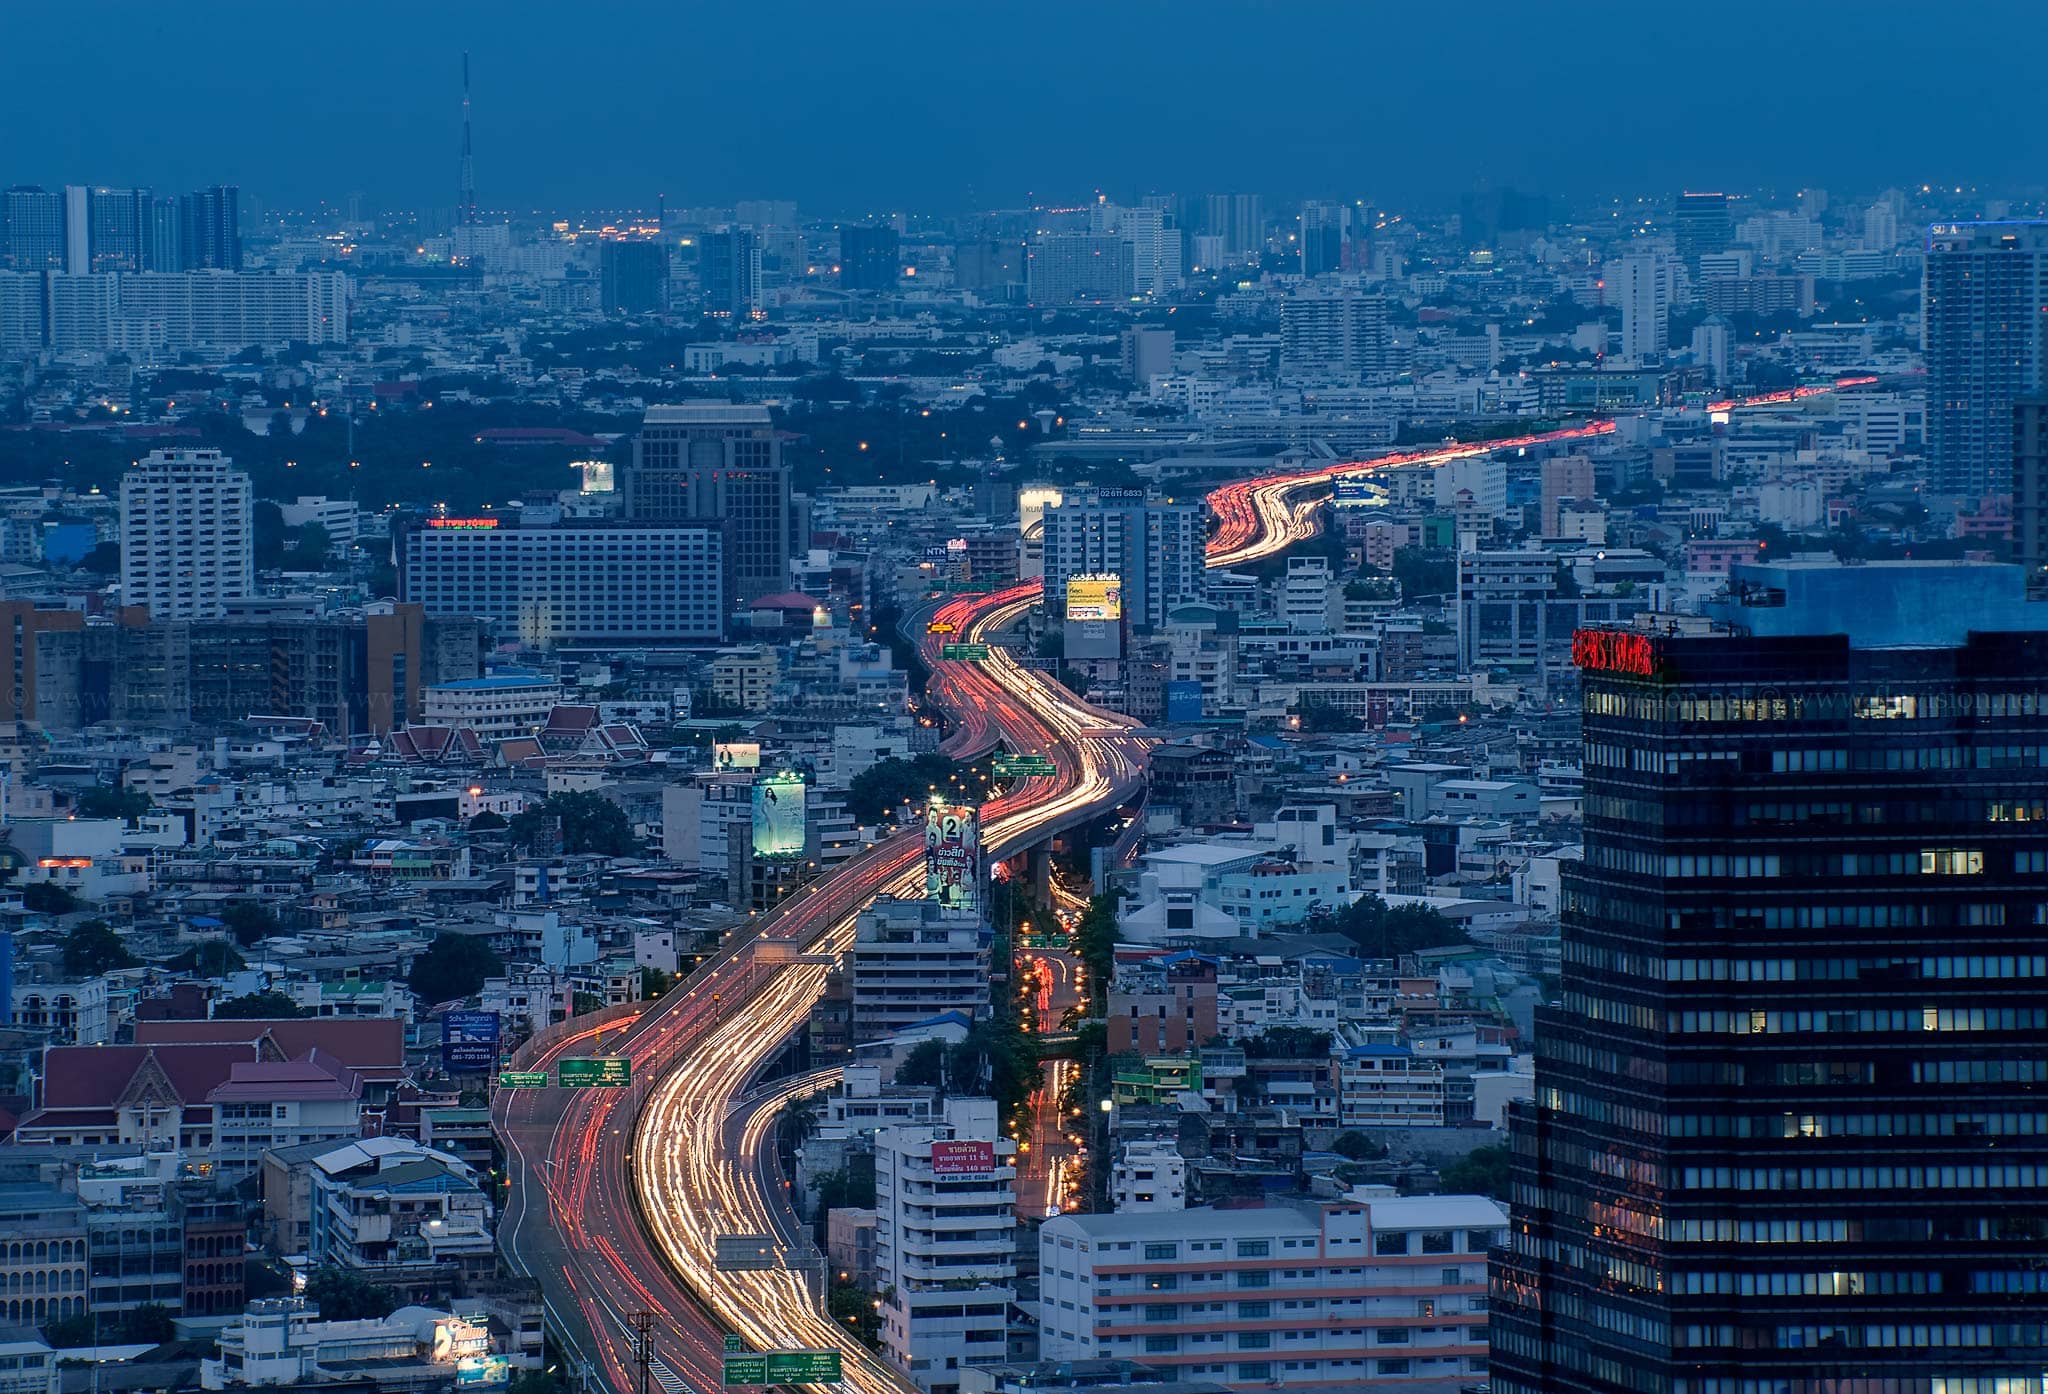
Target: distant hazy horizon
{"points": [[855, 109]]}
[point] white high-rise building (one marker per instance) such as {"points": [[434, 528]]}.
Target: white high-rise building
{"points": [[1334, 335], [1155, 251], [1154, 546], [946, 1243], [1642, 286], [1880, 227], [1710, 347], [187, 534]]}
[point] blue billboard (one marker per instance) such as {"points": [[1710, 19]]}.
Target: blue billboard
{"points": [[1183, 701], [469, 1041]]}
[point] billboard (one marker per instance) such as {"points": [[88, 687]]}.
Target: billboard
{"points": [[963, 1158], [1095, 597], [952, 855], [736, 755], [469, 1041], [779, 816], [1183, 701]]}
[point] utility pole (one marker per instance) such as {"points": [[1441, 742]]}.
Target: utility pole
{"points": [[642, 1322]]}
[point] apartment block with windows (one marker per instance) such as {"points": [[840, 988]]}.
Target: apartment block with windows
{"points": [[1370, 1291]]}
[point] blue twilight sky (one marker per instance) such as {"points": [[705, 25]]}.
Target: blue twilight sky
{"points": [[858, 105]]}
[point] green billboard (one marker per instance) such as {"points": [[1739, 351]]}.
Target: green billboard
{"points": [[607, 1072]]}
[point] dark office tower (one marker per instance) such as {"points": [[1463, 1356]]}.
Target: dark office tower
{"points": [[632, 275], [121, 228], [1789, 1133], [210, 229], [729, 272], [718, 461], [1486, 215], [1324, 229], [1981, 292], [2030, 488], [31, 229], [869, 257], [1701, 223]]}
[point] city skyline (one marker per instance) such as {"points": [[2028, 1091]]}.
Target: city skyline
{"points": [[819, 110]]}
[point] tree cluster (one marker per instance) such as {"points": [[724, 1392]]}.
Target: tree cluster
{"points": [[589, 823], [454, 966], [1383, 931]]}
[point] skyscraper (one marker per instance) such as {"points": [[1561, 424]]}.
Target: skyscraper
{"points": [[729, 272], [31, 229], [632, 275], [1701, 223], [2030, 488], [1324, 228], [1156, 259], [721, 462], [209, 230], [1642, 286], [869, 257], [187, 535], [1981, 295], [1787, 1132]]}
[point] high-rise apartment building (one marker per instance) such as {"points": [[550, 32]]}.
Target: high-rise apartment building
{"points": [[1642, 286], [945, 1243], [1239, 219], [1154, 546], [721, 463], [1156, 251], [119, 229], [1982, 289], [632, 275], [209, 231], [1063, 268], [1334, 335], [870, 257], [187, 534], [1787, 1132], [1701, 223], [31, 229], [729, 272]]}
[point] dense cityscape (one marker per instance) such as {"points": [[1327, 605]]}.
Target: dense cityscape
{"points": [[1203, 789]]}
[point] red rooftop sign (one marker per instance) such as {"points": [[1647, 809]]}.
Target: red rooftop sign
{"points": [[1614, 651]]}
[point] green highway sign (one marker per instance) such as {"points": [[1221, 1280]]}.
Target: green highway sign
{"points": [[523, 1079], [734, 1345], [608, 1072], [1022, 766], [964, 653], [784, 1367]]}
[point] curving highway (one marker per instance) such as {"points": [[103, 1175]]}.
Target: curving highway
{"points": [[1259, 518], [620, 1196]]}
